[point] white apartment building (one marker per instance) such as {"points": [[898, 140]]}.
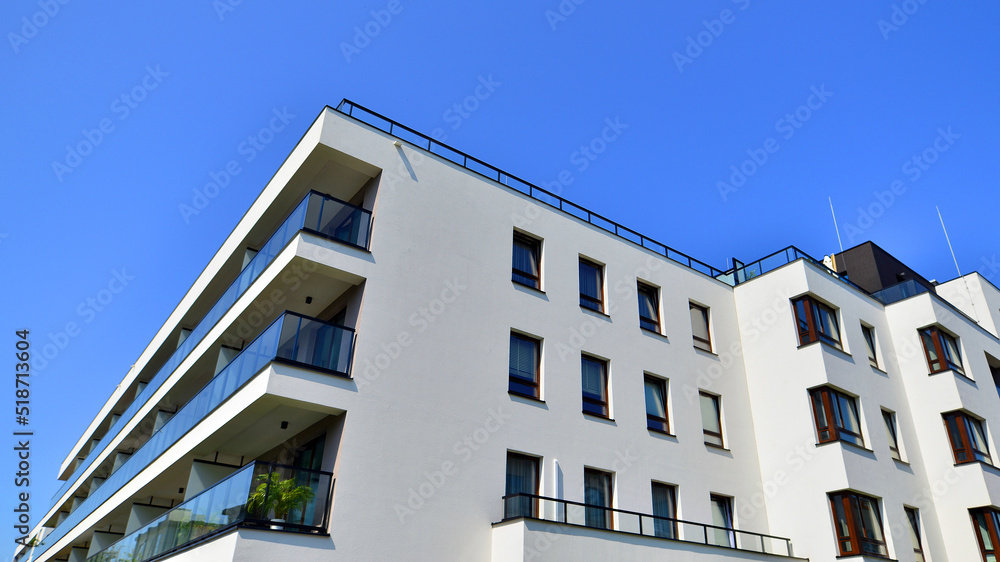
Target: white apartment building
{"points": [[404, 353]]}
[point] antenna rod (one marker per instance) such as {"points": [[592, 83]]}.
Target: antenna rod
{"points": [[835, 227], [949, 241]]}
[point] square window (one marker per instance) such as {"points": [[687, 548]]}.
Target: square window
{"points": [[521, 491], [649, 307], [656, 404], [595, 386], [591, 285], [968, 438], [665, 510], [711, 419], [699, 327], [836, 416], [722, 516], [890, 429], [816, 322], [597, 494], [525, 353], [858, 524], [941, 350], [869, 334], [526, 268]]}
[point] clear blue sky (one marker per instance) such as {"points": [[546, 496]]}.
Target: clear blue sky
{"points": [[840, 97]]}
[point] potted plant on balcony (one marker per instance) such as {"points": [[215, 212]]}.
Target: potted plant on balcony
{"points": [[277, 496]]}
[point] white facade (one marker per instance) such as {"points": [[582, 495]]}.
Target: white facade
{"points": [[417, 434]]}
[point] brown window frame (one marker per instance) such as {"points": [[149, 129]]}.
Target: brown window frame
{"points": [[650, 324], [704, 344], [939, 340], [588, 301], [530, 279], [533, 502], [833, 429], [869, 334], [654, 422], [892, 432], [913, 516], [708, 433], [600, 408], [957, 425], [990, 523], [809, 328], [857, 538], [534, 383]]}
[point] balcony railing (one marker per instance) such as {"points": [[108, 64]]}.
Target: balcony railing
{"points": [[316, 213], [291, 338], [598, 517], [745, 272], [900, 291], [251, 497]]}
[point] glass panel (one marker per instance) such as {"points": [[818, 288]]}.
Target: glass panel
{"points": [[710, 419], [594, 385], [591, 286], [597, 492], [699, 322], [869, 334], [523, 358], [911, 516], [890, 430], [977, 438], [802, 315], [525, 261], [847, 408], [655, 405], [929, 347], [951, 351], [722, 517], [664, 506], [649, 310], [522, 478]]}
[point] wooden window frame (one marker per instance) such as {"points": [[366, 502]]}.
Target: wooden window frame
{"points": [[991, 518], [705, 344], [654, 422], [587, 301], [958, 425], [536, 249], [717, 401], [536, 384], [646, 323], [602, 405], [833, 428], [851, 544], [938, 340], [809, 328]]}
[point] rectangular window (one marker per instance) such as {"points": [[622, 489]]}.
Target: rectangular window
{"points": [[656, 404], [722, 516], [817, 322], [591, 285], [595, 386], [869, 334], [665, 506], [699, 327], [524, 365], [968, 438], [526, 268], [649, 308], [986, 522], [711, 419], [522, 478], [941, 350], [890, 429], [914, 520], [836, 416], [597, 497], [858, 524]]}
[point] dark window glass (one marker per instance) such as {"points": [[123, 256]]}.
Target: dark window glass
{"points": [[986, 522], [595, 386], [597, 496], [968, 438], [890, 429], [591, 286], [941, 350], [522, 478], [858, 524], [699, 327], [656, 404], [869, 334], [914, 519], [524, 361], [526, 268], [649, 308], [816, 322], [665, 505], [711, 419], [836, 416], [722, 516]]}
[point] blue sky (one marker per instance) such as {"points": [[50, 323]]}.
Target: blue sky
{"points": [[718, 127]]}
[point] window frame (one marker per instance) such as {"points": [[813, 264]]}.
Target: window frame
{"points": [[892, 433], [717, 404], [661, 528], [868, 332], [537, 487], [536, 382], [852, 544], [831, 400], [595, 303], [646, 323], [963, 422], [605, 404], [535, 248], [728, 529], [605, 511], [811, 329], [991, 519], [653, 421], [706, 342], [939, 340], [913, 516]]}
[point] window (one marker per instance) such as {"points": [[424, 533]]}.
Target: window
{"points": [[890, 429], [986, 522], [595, 386], [524, 363], [817, 322], [914, 520], [522, 478], [699, 327], [597, 497], [941, 350], [722, 516], [836, 416], [649, 308], [968, 438], [858, 524], [526, 268], [869, 334], [711, 419], [591, 285], [656, 404], [665, 505]]}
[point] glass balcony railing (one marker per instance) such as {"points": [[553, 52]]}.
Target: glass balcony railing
{"points": [[900, 291], [257, 495], [291, 338], [318, 214]]}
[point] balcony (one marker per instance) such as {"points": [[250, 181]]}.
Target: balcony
{"points": [[317, 214], [291, 338], [563, 512], [260, 495], [900, 291]]}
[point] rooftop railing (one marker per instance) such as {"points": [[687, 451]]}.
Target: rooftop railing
{"points": [[554, 510], [291, 338], [316, 213], [744, 272], [250, 497], [900, 291]]}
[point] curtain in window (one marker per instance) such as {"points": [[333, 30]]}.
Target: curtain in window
{"points": [[655, 404], [710, 419], [593, 380], [699, 322], [526, 261], [522, 478], [826, 319], [722, 516], [523, 358], [597, 492], [871, 526], [664, 506], [647, 304], [590, 281]]}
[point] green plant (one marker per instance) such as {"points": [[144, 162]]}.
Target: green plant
{"points": [[277, 495]]}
